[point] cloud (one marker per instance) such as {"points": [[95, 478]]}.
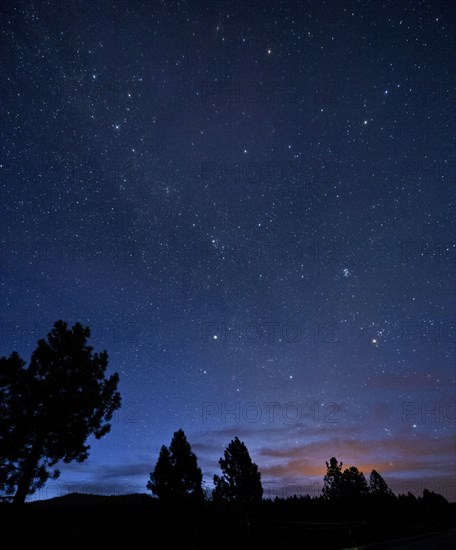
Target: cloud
{"points": [[293, 456], [107, 472]]}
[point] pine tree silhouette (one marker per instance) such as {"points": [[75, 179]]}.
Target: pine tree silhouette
{"points": [[49, 409], [378, 486], [333, 479], [177, 477], [240, 480]]}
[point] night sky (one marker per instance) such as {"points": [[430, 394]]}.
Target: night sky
{"points": [[251, 205]]}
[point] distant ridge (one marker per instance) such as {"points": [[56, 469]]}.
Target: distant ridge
{"points": [[88, 499]]}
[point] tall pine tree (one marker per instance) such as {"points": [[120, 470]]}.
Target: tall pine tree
{"points": [[240, 480], [177, 477], [333, 479]]}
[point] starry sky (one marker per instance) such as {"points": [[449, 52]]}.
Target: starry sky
{"points": [[251, 205]]}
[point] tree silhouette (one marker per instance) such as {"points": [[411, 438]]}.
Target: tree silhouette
{"points": [[378, 486], [333, 479], [240, 480], [49, 409], [354, 483], [161, 480], [349, 483], [434, 500], [177, 477]]}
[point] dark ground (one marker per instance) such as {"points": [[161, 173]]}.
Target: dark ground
{"points": [[437, 541], [138, 521]]}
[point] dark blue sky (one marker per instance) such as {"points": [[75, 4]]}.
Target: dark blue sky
{"points": [[251, 204]]}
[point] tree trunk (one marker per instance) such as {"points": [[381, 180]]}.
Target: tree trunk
{"points": [[28, 472]]}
